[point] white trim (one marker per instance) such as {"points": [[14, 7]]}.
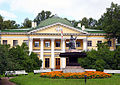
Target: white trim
{"points": [[95, 38], [58, 24], [13, 37]]}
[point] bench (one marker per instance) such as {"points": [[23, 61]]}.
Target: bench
{"points": [[90, 69], [21, 72], [42, 71], [111, 71], [15, 72]]}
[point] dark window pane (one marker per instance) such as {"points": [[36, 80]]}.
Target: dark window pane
{"points": [[109, 43], [15, 42], [89, 43], [47, 62], [99, 42], [57, 43], [4, 42], [77, 44]]}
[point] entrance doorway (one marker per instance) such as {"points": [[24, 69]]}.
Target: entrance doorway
{"points": [[57, 63]]}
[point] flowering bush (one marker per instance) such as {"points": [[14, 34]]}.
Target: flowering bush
{"points": [[89, 74]]}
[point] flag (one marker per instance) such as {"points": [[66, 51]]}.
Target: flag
{"points": [[61, 33]]}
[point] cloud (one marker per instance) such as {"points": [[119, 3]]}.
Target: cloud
{"points": [[73, 9], [7, 15]]}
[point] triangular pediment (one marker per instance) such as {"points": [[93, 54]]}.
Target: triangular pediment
{"points": [[57, 28]]}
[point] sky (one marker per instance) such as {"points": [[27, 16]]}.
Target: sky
{"points": [[18, 10]]}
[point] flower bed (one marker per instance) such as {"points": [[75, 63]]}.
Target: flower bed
{"points": [[89, 74]]}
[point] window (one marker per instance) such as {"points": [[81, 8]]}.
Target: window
{"points": [[47, 62], [99, 42], [89, 43], [78, 44], [67, 44], [25, 41], [109, 43], [36, 44], [57, 43], [47, 44], [15, 42], [4, 42]]}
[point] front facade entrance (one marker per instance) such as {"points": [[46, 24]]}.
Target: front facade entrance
{"points": [[57, 60]]}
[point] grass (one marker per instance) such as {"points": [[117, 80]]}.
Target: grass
{"points": [[32, 79]]}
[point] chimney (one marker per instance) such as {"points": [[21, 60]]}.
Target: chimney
{"points": [[83, 27], [34, 24], [79, 24]]}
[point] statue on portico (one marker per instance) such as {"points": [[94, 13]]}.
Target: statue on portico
{"points": [[72, 42]]}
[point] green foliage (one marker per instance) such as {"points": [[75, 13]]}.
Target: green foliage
{"points": [[110, 21], [42, 16], [18, 58], [8, 24], [101, 59], [27, 23]]}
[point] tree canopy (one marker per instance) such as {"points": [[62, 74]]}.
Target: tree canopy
{"points": [[27, 23], [42, 16], [110, 21]]}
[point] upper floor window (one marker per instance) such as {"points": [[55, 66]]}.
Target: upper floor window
{"points": [[26, 41], [47, 44], [57, 43], [36, 44], [67, 44], [77, 44], [109, 43], [15, 42], [89, 43], [99, 42], [4, 42]]}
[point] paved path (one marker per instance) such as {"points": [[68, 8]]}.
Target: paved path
{"points": [[5, 81]]}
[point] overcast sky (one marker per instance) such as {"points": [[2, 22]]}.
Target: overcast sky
{"points": [[18, 10]]}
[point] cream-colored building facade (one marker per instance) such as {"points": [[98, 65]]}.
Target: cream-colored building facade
{"points": [[51, 37]]}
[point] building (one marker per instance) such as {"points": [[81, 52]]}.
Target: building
{"points": [[51, 37]]}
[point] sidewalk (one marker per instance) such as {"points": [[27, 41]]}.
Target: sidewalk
{"points": [[5, 81]]}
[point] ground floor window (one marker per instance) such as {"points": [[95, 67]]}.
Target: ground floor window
{"points": [[15, 42], [47, 61], [77, 44], [109, 43], [57, 43], [47, 44], [4, 42], [36, 44], [99, 42], [26, 41], [67, 44]]}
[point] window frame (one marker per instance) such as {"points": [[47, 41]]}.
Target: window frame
{"points": [[4, 43], [47, 44], [15, 42], [47, 62], [58, 44], [89, 43], [78, 44], [36, 44]]}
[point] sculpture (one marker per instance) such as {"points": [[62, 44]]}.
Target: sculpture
{"points": [[72, 42]]}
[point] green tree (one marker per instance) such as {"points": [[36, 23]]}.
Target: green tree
{"points": [[42, 16], [110, 20], [27, 23]]}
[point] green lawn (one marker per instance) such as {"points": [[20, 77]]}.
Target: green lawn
{"points": [[32, 79]]}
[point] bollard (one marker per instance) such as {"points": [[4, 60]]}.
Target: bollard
{"points": [[85, 76]]}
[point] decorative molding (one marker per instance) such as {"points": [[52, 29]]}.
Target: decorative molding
{"points": [[58, 24], [96, 38], [13, 37]]}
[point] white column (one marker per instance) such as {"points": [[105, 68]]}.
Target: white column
{"points": [[85, 44], [52, 54], [41, 51], [30, 45], [63, 63]]}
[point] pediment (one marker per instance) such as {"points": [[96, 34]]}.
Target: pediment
{"points": [[57, 28]]}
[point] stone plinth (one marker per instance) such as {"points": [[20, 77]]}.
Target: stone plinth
{"points": [[73, 69]]}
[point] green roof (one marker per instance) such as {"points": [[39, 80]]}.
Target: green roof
{"points": [[51, 21], [16, 30], [54, 20]]}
